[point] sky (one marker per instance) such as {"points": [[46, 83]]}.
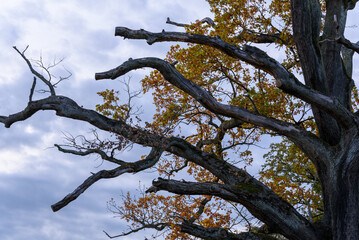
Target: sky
{"points": [[33, 174]]}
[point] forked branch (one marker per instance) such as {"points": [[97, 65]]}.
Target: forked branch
{"points": [[156, 226], [140, 165], [86, 152], [36, 73]]}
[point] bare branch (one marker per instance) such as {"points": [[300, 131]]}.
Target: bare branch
{"points": [[156, 226], [176, 24], [32, 89], [193, 188], [87, 183], [103, 155], [66, 107], [37, 74], [140, 165], [207, 20], [348, 44]]}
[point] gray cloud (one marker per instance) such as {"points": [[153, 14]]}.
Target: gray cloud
{"points": [[34, 176]]}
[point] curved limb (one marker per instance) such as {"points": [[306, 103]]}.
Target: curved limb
{"points": [[303, 138], [276, 213], [140, 165]]}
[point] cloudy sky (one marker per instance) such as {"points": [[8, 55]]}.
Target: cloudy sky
{"points": [[32, 174]]}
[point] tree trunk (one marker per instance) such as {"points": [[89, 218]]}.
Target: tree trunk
{"points": [[342, 191]]}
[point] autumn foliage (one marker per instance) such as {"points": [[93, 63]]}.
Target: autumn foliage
{"points": [[286, 170]]}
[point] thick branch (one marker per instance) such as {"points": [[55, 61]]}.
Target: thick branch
{"points": [[66, 107], [220, 233], [252, 55], [193, 188], [349, 44], [257, 198]]}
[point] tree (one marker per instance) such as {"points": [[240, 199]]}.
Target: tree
{"points": [[232, 92]]}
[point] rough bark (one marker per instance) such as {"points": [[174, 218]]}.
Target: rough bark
{"points": [[258, 199], [324, 70], [220, 233]]}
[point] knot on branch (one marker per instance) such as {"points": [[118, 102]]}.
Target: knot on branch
{"points": [[209, 21], [151, 40], [155, 185]]}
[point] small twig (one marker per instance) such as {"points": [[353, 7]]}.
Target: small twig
{"points": [[103, 155], [178, 169], [207, 20], [23, 52], [200, 209], [176, 24], [37, 74], [32, 89]]}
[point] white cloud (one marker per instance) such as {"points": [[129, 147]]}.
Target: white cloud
{"points": [[11, 162]]}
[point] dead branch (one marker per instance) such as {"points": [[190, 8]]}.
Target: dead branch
{"points": [[37, 74], [140, 165]]}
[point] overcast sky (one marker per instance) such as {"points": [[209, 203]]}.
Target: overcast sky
{"points": [[32, 174]]}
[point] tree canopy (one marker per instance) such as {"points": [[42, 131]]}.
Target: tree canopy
{"points": [[215, 101]]}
